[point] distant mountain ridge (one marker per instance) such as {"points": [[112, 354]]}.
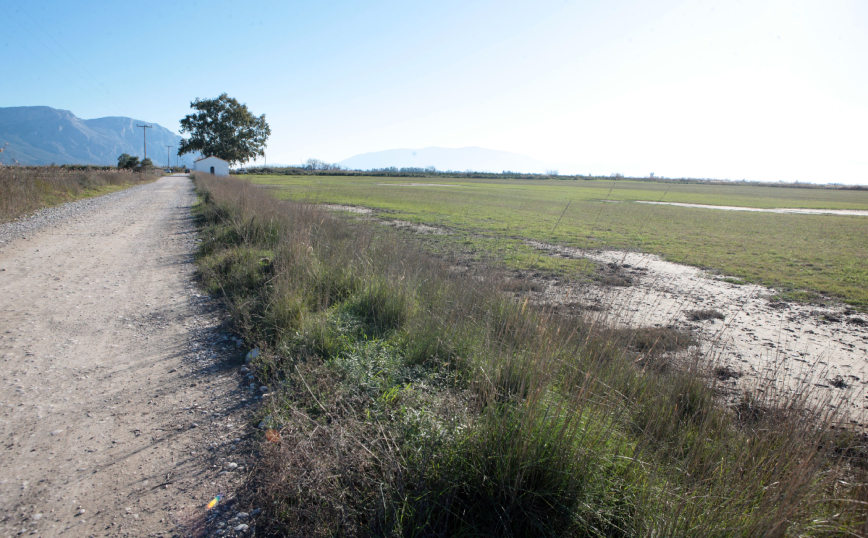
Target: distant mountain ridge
{"points": [[456, 159], [40, 135]]}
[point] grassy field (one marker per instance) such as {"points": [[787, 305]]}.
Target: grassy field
{"points": [[806, 257], [405, 400]]}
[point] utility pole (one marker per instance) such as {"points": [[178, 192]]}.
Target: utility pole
{"points": [[169, 156], [144, 130]]}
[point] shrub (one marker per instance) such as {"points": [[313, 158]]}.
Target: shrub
{"points": [[25, 189], [704, 314]]}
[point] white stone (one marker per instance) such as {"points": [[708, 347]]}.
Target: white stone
{"points": [[252, 354]]}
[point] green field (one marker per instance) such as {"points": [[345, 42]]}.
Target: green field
{"points": [[804, 256]]}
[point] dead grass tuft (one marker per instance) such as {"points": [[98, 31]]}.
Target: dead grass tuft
{"points": [[704, 314], [655, 340]]}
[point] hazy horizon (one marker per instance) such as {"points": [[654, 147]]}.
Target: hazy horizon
{"points": [[764, 91]]}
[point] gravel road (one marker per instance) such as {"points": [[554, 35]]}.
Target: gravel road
{"points": [[122, 411]]}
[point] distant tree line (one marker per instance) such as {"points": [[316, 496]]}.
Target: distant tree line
{"points": [[318, 165]]}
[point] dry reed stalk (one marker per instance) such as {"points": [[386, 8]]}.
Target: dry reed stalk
{"points": [[26, 189]]}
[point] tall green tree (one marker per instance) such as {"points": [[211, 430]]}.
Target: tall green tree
{"points": [[225, 128], [128, 162]]}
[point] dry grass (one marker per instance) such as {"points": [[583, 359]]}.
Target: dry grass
{"points": [[408, 400], [26, 189], [704, 314]]}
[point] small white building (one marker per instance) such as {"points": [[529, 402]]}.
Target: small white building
{"points": [[212, 165]]}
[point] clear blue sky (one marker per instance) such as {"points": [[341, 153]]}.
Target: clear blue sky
{"points": [[755, 89]]}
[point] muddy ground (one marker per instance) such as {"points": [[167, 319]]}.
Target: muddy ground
{"points": [[760, 344]]}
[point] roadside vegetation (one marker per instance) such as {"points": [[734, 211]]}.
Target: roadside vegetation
{"points": [[405, 399], [806, 257], [24, 189]]}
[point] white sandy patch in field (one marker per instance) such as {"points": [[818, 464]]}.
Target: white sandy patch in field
{"points": [[350, 208], [417, 185], [423, 229], [795, 210], [785, 345]]}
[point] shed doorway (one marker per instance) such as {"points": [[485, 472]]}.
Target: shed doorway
{"points": [[212, 170]]}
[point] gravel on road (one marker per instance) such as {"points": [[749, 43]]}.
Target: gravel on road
{"points": [[121, 404]]}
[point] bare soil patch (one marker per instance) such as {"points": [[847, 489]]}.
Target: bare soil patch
{"points": [[350, 208], [759, 344], [422, 229], [794, 210]]}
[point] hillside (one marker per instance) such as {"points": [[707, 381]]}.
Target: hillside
{"points": [[40, 135], [458, 159]]}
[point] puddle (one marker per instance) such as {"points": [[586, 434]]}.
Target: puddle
{"points": [[794, 210]]}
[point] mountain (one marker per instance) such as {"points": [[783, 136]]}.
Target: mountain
{"points": [[39, 135], [457, 159]]}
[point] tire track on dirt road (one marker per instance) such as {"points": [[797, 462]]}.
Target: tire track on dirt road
{"points": [[120, 408]]}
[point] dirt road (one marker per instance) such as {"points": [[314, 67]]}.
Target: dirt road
{"points": [[122, 410]]}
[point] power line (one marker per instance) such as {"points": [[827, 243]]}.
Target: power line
{"points": [[118, 101], [41, 59], [145, 132], [169, 156], [100, 97]]}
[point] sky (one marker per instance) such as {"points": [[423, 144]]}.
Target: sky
{"points": [[763, 90]]}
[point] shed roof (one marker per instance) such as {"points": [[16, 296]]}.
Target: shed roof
{"points": [[211, 156]]}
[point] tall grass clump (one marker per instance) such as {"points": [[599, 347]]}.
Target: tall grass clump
{"points": [[27, 188], [410, 400]]}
